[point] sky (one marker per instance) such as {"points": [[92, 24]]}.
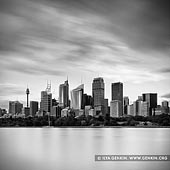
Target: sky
{"points": [[119, 40]]}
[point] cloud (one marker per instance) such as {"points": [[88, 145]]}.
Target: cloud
{"points": [[166, 96], [164, 70], [120, 40], [12, 89], [4, 104]]}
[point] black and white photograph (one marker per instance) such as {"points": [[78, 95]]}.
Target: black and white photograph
{"points": [[84, 84]]}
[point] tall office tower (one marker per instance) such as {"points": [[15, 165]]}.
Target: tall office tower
{"points": [[77, 97], [126, 103], [33, 108], [56, 111], [64, 94], [117, 94], [115, 106], [130, 110], [46, 100], [98, 95], [165, 107], [137, 107], [15, 107], [145, 109], [105, 107], [151, 98], [87, 100], [27, 93]]}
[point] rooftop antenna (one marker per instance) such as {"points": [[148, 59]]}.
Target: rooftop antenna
{"points": [[48, 89]]}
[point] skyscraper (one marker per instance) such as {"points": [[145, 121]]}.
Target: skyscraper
{"points": [[105, 110], [77, 97], [64, 94], [98, 95], [165, 107], [151, 98], [117, 94], [15, 107], [126, 103], [33, 107], [46, 99], [145, 108], [115, 106], [87, 100]]}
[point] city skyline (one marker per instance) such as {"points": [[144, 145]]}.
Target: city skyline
{"points": [[24, 102], [121, 41]]}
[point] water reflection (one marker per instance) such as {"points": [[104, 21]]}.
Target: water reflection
{"points": [[69, 148]]}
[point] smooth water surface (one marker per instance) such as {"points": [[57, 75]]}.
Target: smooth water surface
{"points": [[75, 148]]}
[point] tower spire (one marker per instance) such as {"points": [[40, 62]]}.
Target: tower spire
{"points": [[48, 89], [27, 93]]}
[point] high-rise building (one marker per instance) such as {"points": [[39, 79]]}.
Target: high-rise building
{"points": [[105, 107], [64, 94], [117, 94], [46, 100], [115, 106], [87, 100], [165, 107], [151, 98], [77, 97], [98, 95], [137, 107], [33, 107], [145, 108], [15, 107], [56, 111], [126, 103], [130, 109]]}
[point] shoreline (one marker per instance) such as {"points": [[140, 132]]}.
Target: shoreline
{"points": [[86, 127]]}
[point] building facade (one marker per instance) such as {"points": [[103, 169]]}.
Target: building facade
{"points": [[165, 107], [33, 108], [151, 98], [15, 107], [117, 94], [115, 108], [77, 97], [126, 103], [64, 94], [98, 95], [130, 110], [46, 102]]}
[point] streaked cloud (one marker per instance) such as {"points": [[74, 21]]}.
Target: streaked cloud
{"points": [[167, 96], [122, 40]]}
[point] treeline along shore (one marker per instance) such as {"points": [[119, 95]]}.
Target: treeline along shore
{"points": [[162, 120]]}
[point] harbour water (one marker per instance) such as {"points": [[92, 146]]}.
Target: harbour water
{"points": [[75, 148]]}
